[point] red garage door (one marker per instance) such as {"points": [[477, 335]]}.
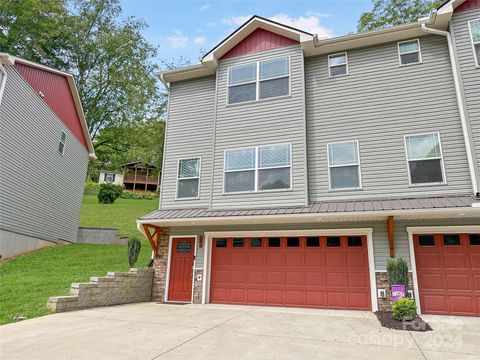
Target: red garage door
{"points": [[448, 272], [319, 272]]}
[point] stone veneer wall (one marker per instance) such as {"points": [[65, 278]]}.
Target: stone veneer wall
{"points": [[114, 289], [382, 283], [197, 286], [160, 267]]}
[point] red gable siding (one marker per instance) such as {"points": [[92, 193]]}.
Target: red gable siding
{"points": [[259, 40], [467, 5], [57, 96]]}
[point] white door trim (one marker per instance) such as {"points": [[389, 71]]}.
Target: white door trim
{"points": [[419, 230], [368, 232], [167, 280]]}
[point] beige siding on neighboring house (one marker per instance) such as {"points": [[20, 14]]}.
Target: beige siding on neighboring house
{"points": [[469, 73], [189, 135], [40, 189], [378, 103], [271, 121]]}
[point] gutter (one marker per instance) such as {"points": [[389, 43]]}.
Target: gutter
{"points": [[3, 82], [461, 104]]}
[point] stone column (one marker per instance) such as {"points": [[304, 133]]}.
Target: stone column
{"points": [[160, 263]]}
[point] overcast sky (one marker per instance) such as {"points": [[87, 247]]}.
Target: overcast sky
{"points": [[184, 28]]}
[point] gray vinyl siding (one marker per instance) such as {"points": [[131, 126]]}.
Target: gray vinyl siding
{"points": [[271, 121], [380, 234], [378, 103], [469, 72], [189, 134], [40, 190]]}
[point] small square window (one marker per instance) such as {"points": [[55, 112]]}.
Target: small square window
{"points": [[354, 241], [474, 239], [256, 242], [274, 242], [63, 141], [451, 240], [426, 240], [238, 242], [337, 65], [293, 242], [313, 241], [409, 52], [333, 241], [183, 247], [221, 243]]}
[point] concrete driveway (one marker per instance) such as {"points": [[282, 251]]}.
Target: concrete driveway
{"points": [[153, 331]]}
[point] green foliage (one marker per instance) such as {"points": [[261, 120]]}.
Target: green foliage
{"points": [[397, 271], [91, 187], [139, 195], [404, 310], [387, 13], [134, 246], [109, 193]]}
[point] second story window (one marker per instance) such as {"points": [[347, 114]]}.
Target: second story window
{"points": [[259, 80], [63, 141], [409, 52], [424, 157], [344, 165], [337, 65], [188, 178], [258, 168], [475, 36]]}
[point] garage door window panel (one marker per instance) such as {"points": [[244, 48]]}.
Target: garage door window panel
{"points": [[238, 242], [355, 241], [312, 241], [293, 242], [451, 240], [220, 243], [333, 241], [425, 159], [274, 242], [256, 242], [474, 239]]}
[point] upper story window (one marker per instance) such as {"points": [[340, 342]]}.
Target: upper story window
{"points": [[409, 52], [109, 177], [258, 168], [259, 80], [344, 165], [337, 65], [424, 157], [188, 178], [475, 36], [63, 141]]}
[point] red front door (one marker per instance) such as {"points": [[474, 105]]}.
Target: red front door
{"points": [[181, 269]]}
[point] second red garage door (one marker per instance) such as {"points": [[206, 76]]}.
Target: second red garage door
{"points": [[317, 272]]}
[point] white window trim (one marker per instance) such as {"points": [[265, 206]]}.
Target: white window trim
{"points": [[477, 61], [62, 142], [258, 81], [332, 66], [360, 185], [256, 169], [189, 178], [420, 58], [444, 175]]}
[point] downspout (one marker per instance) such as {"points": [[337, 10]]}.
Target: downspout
{"points": [[461, 105], [3, 81]]}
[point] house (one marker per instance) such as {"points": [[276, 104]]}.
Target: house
{"points": [[136, 176], [295, 167], [44, 151]]}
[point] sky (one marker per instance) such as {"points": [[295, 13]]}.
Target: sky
{"points": [[188, 28]]}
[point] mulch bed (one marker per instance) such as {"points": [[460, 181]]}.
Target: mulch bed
{"points": [[387, 320]]}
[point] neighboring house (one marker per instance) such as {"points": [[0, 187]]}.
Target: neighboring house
{"points": [[136, 176], [110, 177], [44, 152], [295, 167]]}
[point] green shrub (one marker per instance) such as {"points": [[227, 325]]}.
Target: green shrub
{"points": [[404, 310], [397, 271], [91, 187], [134, 246], [109, 193], [138, 195]]}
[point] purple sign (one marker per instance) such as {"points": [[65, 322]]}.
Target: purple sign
{"points": [[398, 292]]}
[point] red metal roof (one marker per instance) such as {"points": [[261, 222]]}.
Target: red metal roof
{"points": [[259, 40], [57, 95], [467, 5]]}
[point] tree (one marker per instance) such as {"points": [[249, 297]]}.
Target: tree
{"points": [[387, 13]]}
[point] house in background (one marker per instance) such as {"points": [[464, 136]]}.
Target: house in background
{"points": [[136, 176], [44, 151], [295, 167]]}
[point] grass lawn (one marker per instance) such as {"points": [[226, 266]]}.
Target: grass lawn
{"points": [[26, 282]]}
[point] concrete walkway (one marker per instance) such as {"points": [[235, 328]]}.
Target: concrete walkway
{"points": [[153, 331]]}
